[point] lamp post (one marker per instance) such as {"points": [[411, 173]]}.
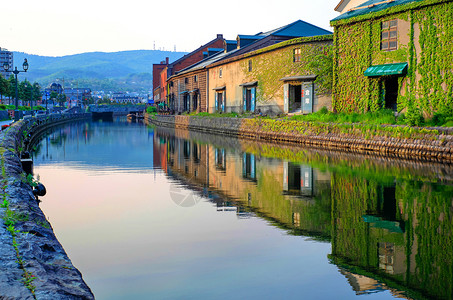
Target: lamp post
{"points": [[6, 67]]}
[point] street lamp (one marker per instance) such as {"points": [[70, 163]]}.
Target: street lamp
{"points": [[6, 66]]}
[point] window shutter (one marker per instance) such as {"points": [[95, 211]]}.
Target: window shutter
{"points": [[252, 104], [286, 97], [244, 98], [216, 104]]}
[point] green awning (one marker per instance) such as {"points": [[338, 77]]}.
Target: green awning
{"points": [[388, 69], [378, 222]]}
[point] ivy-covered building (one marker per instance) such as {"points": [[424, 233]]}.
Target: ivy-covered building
{"points": [[273, 80], [394, 54]]}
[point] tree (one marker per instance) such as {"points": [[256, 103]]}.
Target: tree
{"points": [[105, 100], [12, 88], [61, 98], [36, 92], [53, 96], [4, 87], [25, 88]]}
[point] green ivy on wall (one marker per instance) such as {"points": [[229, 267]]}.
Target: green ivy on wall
{"points": [[428, 86], [268, 69]]}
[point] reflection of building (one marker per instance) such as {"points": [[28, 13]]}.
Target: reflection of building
{"points": [[386, 233], [395, 231], [297, 179], [160, 153], [362, 284], [248, 183]]}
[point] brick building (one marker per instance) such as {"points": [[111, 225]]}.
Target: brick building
{"points": [[157, 89], [187, 60]]}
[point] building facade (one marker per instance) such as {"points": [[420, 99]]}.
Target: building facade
{"points": [[6, 57], [77, 96], [396, 55], [182, 63], [272, 80], [186, 92], [121, 97], [188, 89], [157, 69], [346, 5]]}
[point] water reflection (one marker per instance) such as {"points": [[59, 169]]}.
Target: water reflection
{"points": [[389, 230], [335, 225], [103, 146]]}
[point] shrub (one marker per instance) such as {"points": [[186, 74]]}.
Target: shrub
{"points": [[151, 109], [414, 117], [24, 108]]}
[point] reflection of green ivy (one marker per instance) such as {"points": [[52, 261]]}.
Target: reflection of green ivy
{"points": [[428, 85]]}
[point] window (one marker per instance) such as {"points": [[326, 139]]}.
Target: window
{"points": [[220, 159], [296, 55], [248, 166], [195, 78], [389, 35], [220, 73], [250, 66], [186, 80]]}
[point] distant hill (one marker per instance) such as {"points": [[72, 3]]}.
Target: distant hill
{"points": [[114, 71]]}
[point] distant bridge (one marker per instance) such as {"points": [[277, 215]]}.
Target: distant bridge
{"points": [[109, 111]]}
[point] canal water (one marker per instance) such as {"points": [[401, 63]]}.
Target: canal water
{"points": [[159, 213]]}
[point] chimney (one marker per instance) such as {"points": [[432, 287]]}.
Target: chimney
{"points": [[220, 36], [166, 60]]}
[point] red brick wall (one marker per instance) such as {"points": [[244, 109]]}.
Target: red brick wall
{"points": [[163, 82], [157, 68], [197, 56]]}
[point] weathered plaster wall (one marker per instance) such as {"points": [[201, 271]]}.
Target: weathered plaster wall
{"points": [[268, 66]]}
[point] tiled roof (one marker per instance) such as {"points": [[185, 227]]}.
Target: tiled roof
{"points": [[297, 29]]}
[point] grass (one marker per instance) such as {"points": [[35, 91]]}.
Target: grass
{"points": [[381, 117]]}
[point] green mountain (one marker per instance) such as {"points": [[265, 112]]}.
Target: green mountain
{"points": [[108, 71]]}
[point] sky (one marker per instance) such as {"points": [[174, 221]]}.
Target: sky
{"points": [[58, 28]]}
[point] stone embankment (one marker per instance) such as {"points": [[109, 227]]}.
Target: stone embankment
{"points": [[33, 264], [428, 144]]}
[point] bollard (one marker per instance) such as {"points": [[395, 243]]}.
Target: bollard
{"points": [[39, 190]]}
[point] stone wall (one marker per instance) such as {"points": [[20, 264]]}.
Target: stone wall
{"points": [[429, 144], [33, 264], [4, 114]]}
